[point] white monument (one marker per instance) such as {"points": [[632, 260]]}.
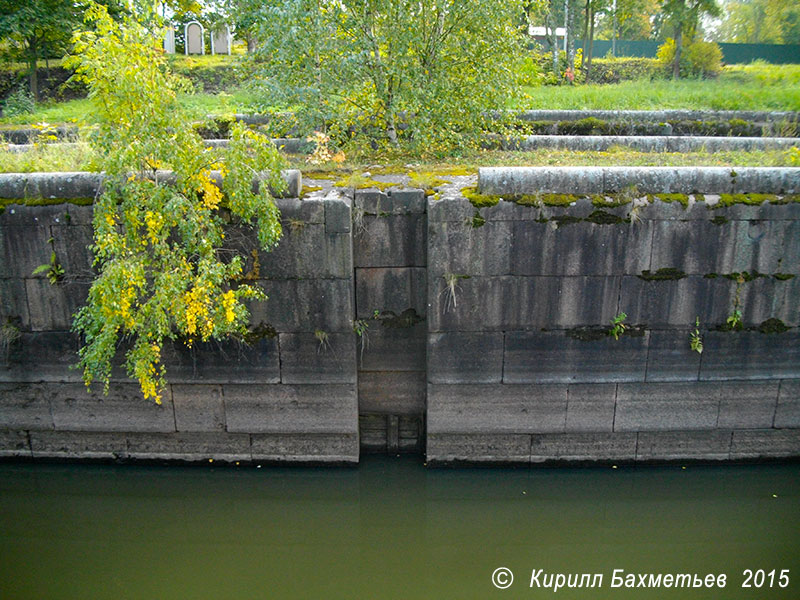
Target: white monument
{"points": [[193, 36], [221, 40], [169, 41]]}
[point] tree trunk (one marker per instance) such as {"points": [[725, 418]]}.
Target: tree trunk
{"points": [[34, 80], [676, 62], [591, 43], [585, 32], [571, 38]]}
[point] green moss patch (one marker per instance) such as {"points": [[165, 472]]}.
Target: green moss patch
{"points": [[601, 217], [747, 199], [663, 274], [477, 220], [744, 276], [477, 199], [773, 325], [719, 220], [682, 199], [783, 276]]}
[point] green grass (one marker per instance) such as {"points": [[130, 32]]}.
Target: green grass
{"points": [[739, 87], [81, 158]]}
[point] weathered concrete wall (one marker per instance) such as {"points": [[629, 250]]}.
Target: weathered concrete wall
{"points": [[521, 368], [389, 251], [288, 396], [484, 339]]}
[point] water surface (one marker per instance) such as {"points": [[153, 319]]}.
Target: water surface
{"points": [[389, 529]]}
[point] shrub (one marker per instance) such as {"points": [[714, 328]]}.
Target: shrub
{"points": [[19, 102], [625, 68], [698, 59]]}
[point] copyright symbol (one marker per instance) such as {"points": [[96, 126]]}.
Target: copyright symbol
{"points": [[502, 578]]}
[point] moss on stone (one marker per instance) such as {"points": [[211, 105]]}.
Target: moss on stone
{"points": [[663, 274], [783, 276], [477, 220], [611, 201], [747, 199], [710, 276], [562, 220], [601, 217], [744, 276], [477, 199], [682, 199], [587, 334], [309, 189], [773, 325], [719, 220]]}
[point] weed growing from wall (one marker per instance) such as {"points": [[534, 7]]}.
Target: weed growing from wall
{"points": [[157, 241]]}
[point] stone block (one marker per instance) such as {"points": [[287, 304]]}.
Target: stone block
{"points": [[306, 448], [787, 413], [668, 406], [750, 355], [228, 361], [766, 298], [765, 443], [649, 180], [305, 358], [390, 240], [559, 357], [306, 305], [701, 247], [296, 409], [393, 349], [683, 445], [29, 247], [21, 215], [755, 409], [71, 245], [497, 408], [673, 304], [307, 210], [25, 406], [590, 407], [450, 209], [408, 201], [52, 307], [463, 249], [194, 446], [513, 303], [306, 251], [198, 407], [394, 289], [445, 448], [43, 356], [123, 409], [465, 357], [583, 447], [531, 180], [338, 213], [14, 303], [580, 248], [670, 358], [392, 392], [14, 443], [78, 446]]}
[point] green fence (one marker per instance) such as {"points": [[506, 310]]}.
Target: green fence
{"points": [[731, 53]]}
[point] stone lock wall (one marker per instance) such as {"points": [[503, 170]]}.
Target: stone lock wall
{"points": [[483, 339], [289, 395]]}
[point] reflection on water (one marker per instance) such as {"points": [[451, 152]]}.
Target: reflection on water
{"points": [[388, 529]]}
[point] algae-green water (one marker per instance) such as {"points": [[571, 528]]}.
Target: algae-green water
{"points": [[391, 528]]}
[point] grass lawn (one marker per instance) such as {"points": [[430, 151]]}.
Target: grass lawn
{"points": [[739, 87], [81, 158]]}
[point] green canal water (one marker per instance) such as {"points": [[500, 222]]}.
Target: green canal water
{"points": [[390, 529]]}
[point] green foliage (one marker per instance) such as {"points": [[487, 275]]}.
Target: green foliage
{"points": [[19, 102], [625, 68], [379, 72], [698, 59], [695, 339], [54, 270], [157, 243], [618, 325]]}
